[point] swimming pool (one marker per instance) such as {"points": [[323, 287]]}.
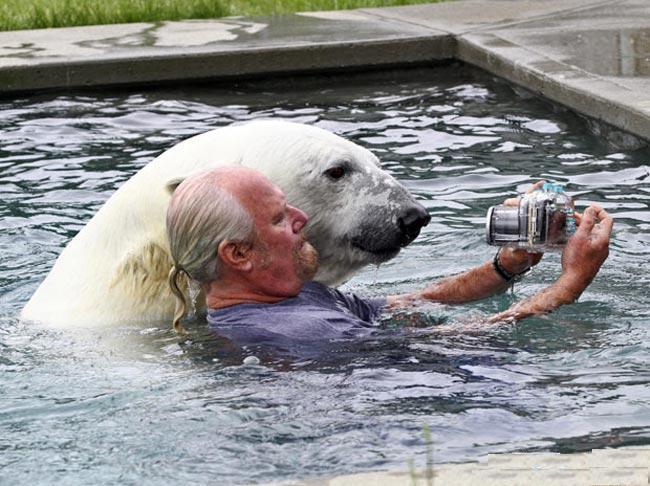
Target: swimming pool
{"points": [[137, 406]]}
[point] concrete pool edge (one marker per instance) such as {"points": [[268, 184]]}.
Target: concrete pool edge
{"points": [[629, 466], [490, 34]]}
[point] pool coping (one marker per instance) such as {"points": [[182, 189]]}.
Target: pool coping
{"points": [[623, 466], [478, 32]]}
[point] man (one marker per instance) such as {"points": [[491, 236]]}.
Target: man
{"points": [[232, 230]]}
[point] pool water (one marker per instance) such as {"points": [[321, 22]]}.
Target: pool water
{"points": [[139, 406]]}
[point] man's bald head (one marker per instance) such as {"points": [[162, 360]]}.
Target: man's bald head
{"points": [[204, 210]]}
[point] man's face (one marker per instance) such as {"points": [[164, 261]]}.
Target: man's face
{"points": [[283, 259]]}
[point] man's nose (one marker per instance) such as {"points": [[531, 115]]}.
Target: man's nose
{"points": [[300, 219]]}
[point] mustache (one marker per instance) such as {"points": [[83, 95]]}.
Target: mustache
{"points": [[303, 239], [300, 248], [306, 259]]}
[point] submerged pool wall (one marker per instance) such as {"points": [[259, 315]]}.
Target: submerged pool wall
{"points": [[592, 56]]}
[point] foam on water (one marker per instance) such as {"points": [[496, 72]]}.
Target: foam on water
{"points": [[140, 406]]}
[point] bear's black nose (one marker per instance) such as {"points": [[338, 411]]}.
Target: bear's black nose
{"points": [[411, 221]]}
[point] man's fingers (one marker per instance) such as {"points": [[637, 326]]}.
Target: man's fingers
{"points": [[535, 257], [535, 186], [513, 201], [587, 221], [600, 213], [605, 224], [578, 217]]}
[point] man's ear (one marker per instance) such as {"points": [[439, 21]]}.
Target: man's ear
{"points": [[172, 184], [236, 255]]}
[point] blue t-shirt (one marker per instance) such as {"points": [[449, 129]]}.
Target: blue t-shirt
{"points": [[309, 322]]}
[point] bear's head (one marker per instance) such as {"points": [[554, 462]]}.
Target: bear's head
{"points": [[359, 214]]}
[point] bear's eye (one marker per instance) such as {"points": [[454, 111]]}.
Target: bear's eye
{"points": [[335, 172]]}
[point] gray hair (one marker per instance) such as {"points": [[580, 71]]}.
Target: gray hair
{"points": [[201, 214]]}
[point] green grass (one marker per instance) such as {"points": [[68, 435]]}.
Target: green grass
{"points": [[39, 14]]}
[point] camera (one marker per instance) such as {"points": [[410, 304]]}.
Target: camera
{"points": [[543, 220]]}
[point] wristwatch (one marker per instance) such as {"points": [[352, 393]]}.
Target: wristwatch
{"points": [[504, 274]]}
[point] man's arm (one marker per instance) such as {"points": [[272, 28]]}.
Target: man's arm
{"points": [[582, 257], [477, 283], [474, 284]]}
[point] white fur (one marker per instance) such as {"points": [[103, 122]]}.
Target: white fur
{"points": [[114, 271]]}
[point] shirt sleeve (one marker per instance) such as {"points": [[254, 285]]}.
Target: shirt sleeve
{"points": [[367, 310]]}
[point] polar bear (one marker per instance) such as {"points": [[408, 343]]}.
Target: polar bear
{"points": [[114, 271]]}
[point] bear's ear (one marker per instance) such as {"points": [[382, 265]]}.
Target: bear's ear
{"points": [[172, 184]]}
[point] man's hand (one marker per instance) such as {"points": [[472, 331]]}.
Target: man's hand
{"points": [[582, 257], [518, 260], [587, 249]]}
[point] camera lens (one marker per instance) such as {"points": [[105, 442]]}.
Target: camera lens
{"points": [[502, 225], [543, 219]]}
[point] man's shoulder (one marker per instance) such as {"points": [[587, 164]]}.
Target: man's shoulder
{"points": [[315, 301], [317, 292], [317, 315]]}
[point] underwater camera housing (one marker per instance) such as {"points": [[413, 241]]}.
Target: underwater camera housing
{"points": [[543, 220]]}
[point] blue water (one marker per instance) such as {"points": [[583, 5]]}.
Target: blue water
{"points": [[138, 406]]}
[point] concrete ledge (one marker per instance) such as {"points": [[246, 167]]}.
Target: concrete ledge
{"points": [[592, 56], [197, 50], [587, 94], [220, 65], [629, 466], [461, 17]]}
